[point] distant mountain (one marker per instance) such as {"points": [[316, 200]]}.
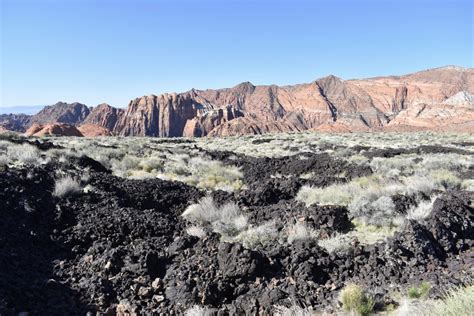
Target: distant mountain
{"points": [[439, 99], [29, 110]]}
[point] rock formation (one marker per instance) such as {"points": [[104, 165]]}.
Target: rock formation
{"points": [[104, 115], [61, 112], [92, 130], [15, 122], [54, 129], [439, 99]]}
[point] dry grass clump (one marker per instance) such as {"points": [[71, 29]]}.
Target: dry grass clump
{"points": [[300, 231], [227, 220], [3, 160], [355, 300], [420, 291], [196, 231], [141, 158], [337, 243], [468, 185], [255, 236], [445, 179], [197, 310], [422, 210], [363, 233], [457, 301], [331, 195], [66, 186], [23, 154], [293, 310]]}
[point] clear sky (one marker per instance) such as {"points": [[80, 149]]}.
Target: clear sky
{"points": [[113, 51]]}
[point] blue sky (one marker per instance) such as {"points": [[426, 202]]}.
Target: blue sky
{"points": [[113, 51]]}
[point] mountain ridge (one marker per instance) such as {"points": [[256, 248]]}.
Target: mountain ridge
{"points": [[409, 102]]}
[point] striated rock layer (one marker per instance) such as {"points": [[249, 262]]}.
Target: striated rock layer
{"points": [[54, 129], [439, 99]]}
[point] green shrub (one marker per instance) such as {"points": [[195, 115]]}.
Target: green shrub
{"points": [[420, 291], [354, 299], [456, 302]]}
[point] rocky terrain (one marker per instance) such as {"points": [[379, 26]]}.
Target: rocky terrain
{"points": [[439, 99], [233, 226]]}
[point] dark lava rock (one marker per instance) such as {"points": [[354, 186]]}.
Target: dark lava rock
{"points": [[123, 246]]}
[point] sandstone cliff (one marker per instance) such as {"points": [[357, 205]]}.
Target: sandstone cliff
{"points": [[439, 99], [104, 115], [54, 129]]}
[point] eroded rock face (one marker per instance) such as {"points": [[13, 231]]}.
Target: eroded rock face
{"points": [[14, 122], [93, 130], [438, 99], [104, 115], [61, 112], [163, 115], [53, 130]]}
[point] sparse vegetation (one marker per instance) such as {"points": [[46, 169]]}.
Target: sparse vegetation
{"points": [[337, 243], [259, 235], [378, 201], [300, 231], [66, 186], [196, 231], [293, 310], [226, 220], [197, 310], [23, 154], [420, 291], [457, 301], [354, 299], [422, 210]]}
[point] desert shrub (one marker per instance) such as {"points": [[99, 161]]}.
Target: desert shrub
{"points": [[231, 222], [293, 310], [336, 243], [367, 198], [373, 210], [66, 186], [300, 231], [259, 235], [3, 160], [419, 184], [226, 220], [202, 173], [331, 195], [354, 299], [370, 234], [196, 231], [213, 173], [126, 164], [422, 210], [197, 310], [4, 145], [24, 154], [449, 161], [203, 212], [456, 302], [420, 291], [403, 164], [468, 185], [151, 164], [446, 179]]}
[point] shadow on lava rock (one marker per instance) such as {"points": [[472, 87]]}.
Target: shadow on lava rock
{"points": [[28, 252]]}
